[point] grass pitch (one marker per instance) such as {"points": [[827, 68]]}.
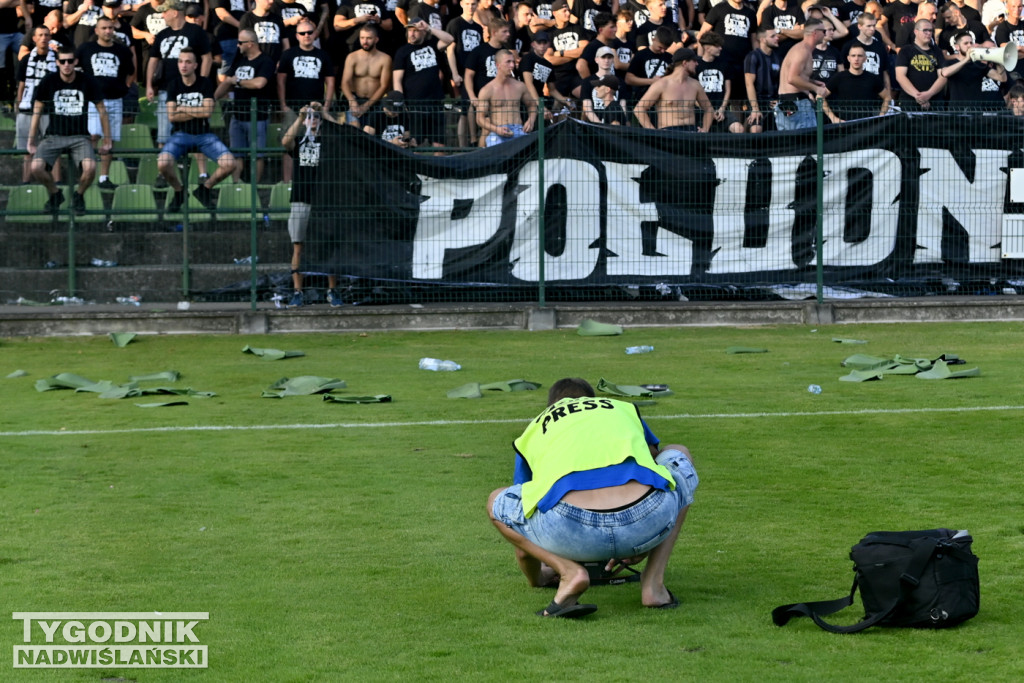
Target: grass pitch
{"points": [[349, 542]]}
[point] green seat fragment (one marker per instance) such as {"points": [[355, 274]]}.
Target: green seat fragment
{"points": [[941, 371], [469, 390], [121, 339], [745, 349], [592, 328], [166, 375], [339, 398], [629, 390], [511, 385], [304, 385], [271, 354]]}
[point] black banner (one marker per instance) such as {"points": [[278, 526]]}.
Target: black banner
{"points": [[909, 203]]}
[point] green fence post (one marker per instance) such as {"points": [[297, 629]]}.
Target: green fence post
{"points": [[540, 201], [72, 271], [252, 203], [820, 199], [186, 266]]}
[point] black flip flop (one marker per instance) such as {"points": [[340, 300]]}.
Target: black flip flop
{"points": [[672, 603], [568, 611]]}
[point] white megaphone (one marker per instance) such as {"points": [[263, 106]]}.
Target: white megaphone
{"points": [[1006, 55]]}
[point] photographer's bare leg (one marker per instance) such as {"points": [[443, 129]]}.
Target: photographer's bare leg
{"points": [[652, 580]]}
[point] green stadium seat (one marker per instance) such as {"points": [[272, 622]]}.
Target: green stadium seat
{"points": [[118, 173], [235, 202], [280, 201], [147, 113], [134, 136], [193, 170], [95, 211], [28, 200], [147, 173], [134, 204], [197, 213]]}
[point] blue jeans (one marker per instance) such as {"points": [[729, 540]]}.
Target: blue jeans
{"points": [[585, 535], [804, 117]]}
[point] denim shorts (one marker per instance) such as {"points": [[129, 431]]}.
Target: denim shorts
{"points": [[584, 535], [181, 144], [803, 117]]}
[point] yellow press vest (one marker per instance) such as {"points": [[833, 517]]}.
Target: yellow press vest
{"points": [[580, 434]]}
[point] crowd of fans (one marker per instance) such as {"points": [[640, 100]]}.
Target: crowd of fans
{"points": [[404, 69]]}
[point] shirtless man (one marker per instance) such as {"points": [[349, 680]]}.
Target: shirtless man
{"points": [[366, 78], [674, 96], [498, 104], [796, 89]]}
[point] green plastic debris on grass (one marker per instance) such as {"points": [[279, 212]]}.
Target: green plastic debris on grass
{"points": [[133, 390], [511, 385], [271, 354], [745, 349], [339, 398], [166, 375], [469, 390], [121, 339], [64, 380], [862, 376], [164, 404], [629, 390], [841, 340], [592, 328], [304, 385], [16, 374], [862, 361], [941, 371]]}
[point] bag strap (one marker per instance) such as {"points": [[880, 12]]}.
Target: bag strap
{"points": [[909, 579]]}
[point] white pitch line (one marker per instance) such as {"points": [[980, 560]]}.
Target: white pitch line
{"points": [[445, 423]]}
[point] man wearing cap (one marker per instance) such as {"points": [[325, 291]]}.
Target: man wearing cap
{"points": [[63, 95], [538, 75], [498, 110], [589, 63], [795, 109], [389, 122], [163, 59], [567, 43], [417, 75], [674, 97], [112, 65], [716, 79], [366, 77], [190, 100], [601, 101]]}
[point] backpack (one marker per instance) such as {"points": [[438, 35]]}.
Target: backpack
{"points": [[921, 579]]}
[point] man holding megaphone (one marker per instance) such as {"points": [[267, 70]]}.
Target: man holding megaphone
{"points": [[974, 76]]}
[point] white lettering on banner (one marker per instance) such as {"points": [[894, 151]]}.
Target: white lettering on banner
{"points": [[437, 231], [582, 222], [730, 256], [624, 229], [886, 171], [977, 206]]}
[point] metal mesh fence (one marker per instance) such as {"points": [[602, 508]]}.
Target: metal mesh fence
{"points": [[905, 204]]}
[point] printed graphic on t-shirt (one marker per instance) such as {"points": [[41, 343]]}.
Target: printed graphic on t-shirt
{"points": [[872, 63], [737, 25], [170, 47], [713, 81], [68, 103], [105, 65], [309, 153], [470, 41], [394, 131], [245, 73], [654, 68], [189, 99], [155, 23], [423, 58], [566, 41], [541, 72], [267, 32], [306, 66]]}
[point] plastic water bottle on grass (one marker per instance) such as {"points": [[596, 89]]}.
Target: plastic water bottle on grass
{"points": [[438, 365], [633, 350]]}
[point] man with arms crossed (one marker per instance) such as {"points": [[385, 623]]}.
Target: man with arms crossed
{"points": [[592, 484], [674, 96], [498, 104], [794, 110]]}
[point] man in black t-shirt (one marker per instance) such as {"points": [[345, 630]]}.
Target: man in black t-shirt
{"points": [[715, 77], [567, 43], [417, 75], [305, 74], [190, 99], [538, 74], [917, 71], [268, 27], [163, 59], [856, 93], [64, 96], [250, 78], [736, 22], [973, 85]]}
